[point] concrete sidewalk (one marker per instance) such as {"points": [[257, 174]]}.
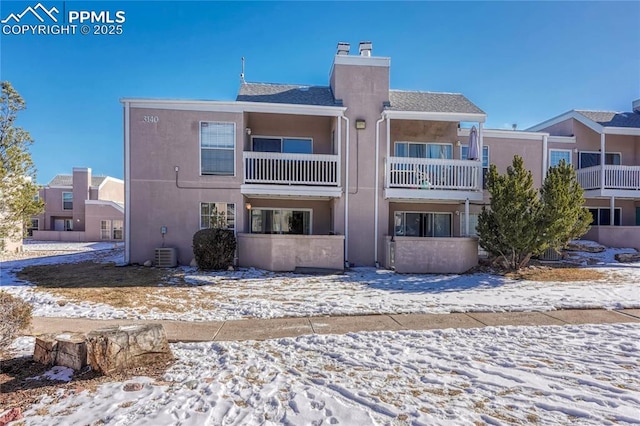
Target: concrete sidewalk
{"points": [[262, 329]]}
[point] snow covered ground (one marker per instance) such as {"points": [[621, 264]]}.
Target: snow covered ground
{"points": [[587, 375], [261, 294]]}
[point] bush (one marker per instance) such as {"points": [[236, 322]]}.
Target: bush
{"points": [[15, 316], [214, 248]]}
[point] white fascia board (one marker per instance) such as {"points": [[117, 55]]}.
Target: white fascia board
{"points": [[428, 195], [562, 139], [434, 116], [280, 191], [107, 179], [60, 187], [235, 107], [506, 134], [568, 115], [630, 131]]}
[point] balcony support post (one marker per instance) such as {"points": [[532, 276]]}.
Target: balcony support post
{"points": [[466, 217], [612, 211], [602, 160]]}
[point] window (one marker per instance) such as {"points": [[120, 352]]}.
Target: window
{"points": [[419, 224], [67, 201], [423, 150], [217, 148], [117, 226], [464, 149], [217, 215], [33, 226], [288, 145], [589, 159], [105, 229], [602, 216], [557, 155], [68, 224], [473, 224], [280, 221]]}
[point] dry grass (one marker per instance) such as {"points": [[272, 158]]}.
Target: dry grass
{"points": [[118, 286], [559, 274]]}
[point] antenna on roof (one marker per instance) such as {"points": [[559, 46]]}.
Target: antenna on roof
{"points": [[242, 73], [514, 126]]}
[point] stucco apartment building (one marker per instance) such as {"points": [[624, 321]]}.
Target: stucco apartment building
{"points": [[80, 207], [352, 173]]}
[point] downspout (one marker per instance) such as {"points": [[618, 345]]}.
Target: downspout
{"points": [[127, 186], [545, 141], [377, 186], [346, 194]]}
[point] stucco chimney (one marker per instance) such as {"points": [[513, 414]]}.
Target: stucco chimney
{"points": [[365, 48], [343, 48], [636, 105]]}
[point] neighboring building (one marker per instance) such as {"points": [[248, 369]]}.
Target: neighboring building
{"points": [[80, 207], [604, 147], [352, 173]]}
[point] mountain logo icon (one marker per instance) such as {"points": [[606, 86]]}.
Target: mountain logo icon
{"points": [[43, 11]]}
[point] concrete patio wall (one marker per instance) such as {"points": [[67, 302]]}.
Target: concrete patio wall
{"points": [[275, 252], [68, 236], [615, 236], [413, 255]]}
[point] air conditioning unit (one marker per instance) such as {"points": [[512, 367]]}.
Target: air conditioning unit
{"points": [[551, 255], [166, 257]]}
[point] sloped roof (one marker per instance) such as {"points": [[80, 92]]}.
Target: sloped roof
{"points": [[613, 119], [67, 180], [401, 100], [286, 94]]}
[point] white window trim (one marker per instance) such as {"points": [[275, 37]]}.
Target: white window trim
{"points": [[423, 143], [67, 192], [284, 208], [487, 147], [596, 152], [235, 213], [561, 150], [606, 208], [108, 229], [428, 212], [113, 229], [281, 140], [235, 147]]}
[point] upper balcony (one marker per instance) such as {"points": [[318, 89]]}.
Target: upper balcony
{"points": [[433, 179], [620, 181], [287, 175]]}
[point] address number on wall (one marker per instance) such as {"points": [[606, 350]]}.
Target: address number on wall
{"points": [[150, 119]]}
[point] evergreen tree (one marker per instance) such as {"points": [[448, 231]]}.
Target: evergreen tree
{"points": [[563, 217], [17, 172], [523, 222]]}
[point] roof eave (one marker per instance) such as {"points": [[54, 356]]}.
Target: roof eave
{"points": [[628, 131], [566, 116], [435, 116]]}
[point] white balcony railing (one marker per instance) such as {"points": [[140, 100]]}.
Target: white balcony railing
{"points": [[291, 169], [615, 177], [432, 173]]}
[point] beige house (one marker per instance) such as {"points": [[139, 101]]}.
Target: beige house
{"points": [[353, 173], [80, 207], [604, 147]]}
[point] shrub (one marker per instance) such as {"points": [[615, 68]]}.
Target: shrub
{"points": [[214, 248], [15, 316]]}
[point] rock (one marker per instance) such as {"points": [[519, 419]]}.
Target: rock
{"points": [[10, 416], [133, 387], [147, 263], [193, 263], [585, 246], [116, 349], [628, 257], [191, 384], [46, 349], [72, 350], [230, 268]]}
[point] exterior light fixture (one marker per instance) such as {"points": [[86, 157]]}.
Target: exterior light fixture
{"points": [[248, 131], [248, 206], [361, 124]]}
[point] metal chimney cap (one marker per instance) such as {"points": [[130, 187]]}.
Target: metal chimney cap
{"points": [[343, 48], [365, 48]]}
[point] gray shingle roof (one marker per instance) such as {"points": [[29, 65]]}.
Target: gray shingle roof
{"points": [[67, 180], [431, 102], [286, 94], [613, 119]]}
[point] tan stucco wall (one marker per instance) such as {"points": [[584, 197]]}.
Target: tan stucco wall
{"points": [[71, 236], [317, 128], [81, 184], [95, 213], [287, 252], [112, 190], [433, 255], [502, 151], [615, 236]]}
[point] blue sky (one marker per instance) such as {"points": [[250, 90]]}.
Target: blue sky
{"points": [[521, 62]]}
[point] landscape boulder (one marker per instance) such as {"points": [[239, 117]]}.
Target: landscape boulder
{"points": [[585, 246], [628, 257], [115, 349], [65, 349]]}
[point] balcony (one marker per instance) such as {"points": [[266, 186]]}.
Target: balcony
{"points": [[618, 180], [281, 174], [433, 179]]}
